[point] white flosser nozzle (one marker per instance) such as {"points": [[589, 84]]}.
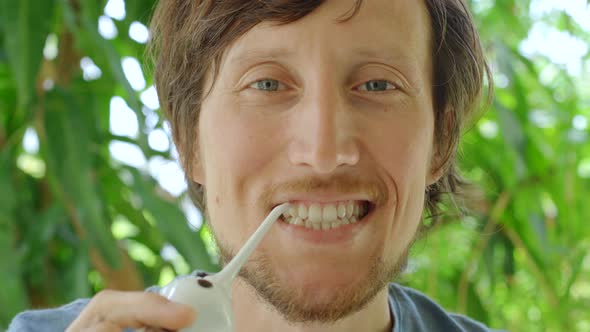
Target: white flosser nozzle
{"points": [[229, 272], [210, 296]]}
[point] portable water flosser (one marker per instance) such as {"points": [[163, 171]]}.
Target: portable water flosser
{"points": [[210, 294]]}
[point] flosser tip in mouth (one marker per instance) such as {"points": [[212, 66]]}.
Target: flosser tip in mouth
{"points": [[325, 216]]}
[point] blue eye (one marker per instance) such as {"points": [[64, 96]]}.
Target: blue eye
{"points": [[377, 85], [266, 85]]}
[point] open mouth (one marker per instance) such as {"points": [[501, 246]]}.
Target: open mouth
{"points": [[326, 216]]}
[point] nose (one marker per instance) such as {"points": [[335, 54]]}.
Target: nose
{"points": [[324, 134]]}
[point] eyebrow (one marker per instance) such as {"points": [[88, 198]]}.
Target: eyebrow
{"points": [[260, 54], [390, 56], [409, 65]]}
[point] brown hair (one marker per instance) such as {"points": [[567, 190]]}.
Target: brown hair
{"points": [[189, 37]]}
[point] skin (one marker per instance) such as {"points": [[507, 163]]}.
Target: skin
{"points": [[320, 134], [113, 310]]}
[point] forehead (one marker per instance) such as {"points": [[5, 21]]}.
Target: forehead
{"points": [[396, 31]]}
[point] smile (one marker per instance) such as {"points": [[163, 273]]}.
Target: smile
{"points": [[326, 216]]}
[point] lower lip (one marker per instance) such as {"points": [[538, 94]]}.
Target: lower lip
{"points": [[342, 234]]}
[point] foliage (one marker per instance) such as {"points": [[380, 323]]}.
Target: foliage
{"points": [[74, 219]]}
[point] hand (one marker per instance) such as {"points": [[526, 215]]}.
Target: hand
{"points": [[114, 311]]}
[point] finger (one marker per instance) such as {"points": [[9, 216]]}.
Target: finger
{"points": [[103, 327], [137, 309], [134, 310]]}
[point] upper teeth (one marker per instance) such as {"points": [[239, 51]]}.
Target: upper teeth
{"points": [[325, 216]]}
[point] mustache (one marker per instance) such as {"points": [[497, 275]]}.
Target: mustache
{"points": [[373, 188]]}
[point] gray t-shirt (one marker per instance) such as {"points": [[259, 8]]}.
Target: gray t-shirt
{"points": [[413, 312]]}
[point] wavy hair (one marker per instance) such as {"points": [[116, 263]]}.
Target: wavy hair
{"points": [[188, 38]]}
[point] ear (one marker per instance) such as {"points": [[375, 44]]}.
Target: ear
{"points": [[194, 171], [434, 175], [197, 173], [436, 169]]}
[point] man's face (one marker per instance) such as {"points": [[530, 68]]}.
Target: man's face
{"points": [[329, 116]]}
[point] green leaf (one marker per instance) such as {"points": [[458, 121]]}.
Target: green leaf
{"points": [[119, 196], [139, 10], [515, 139], [73, 279], [475, 307], [26, 24], [14, 295], [105, 54], [173, 224], [68, 129]]}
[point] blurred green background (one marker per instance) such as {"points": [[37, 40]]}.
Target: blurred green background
{"points": [[91, 195]]}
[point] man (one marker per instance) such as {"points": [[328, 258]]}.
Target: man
{"points": [[350, 111]]}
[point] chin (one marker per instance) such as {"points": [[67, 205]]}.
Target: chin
{"points": [[311, 300], [323, 278], [314, 293]]}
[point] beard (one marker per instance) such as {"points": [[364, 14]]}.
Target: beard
{"points": [[302, 306]]}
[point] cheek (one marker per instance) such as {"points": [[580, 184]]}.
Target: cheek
{"points": [[236, 146], [404, 151], [406, 167]]}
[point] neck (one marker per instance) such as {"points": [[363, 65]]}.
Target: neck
{"points": [[252, 314]]}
